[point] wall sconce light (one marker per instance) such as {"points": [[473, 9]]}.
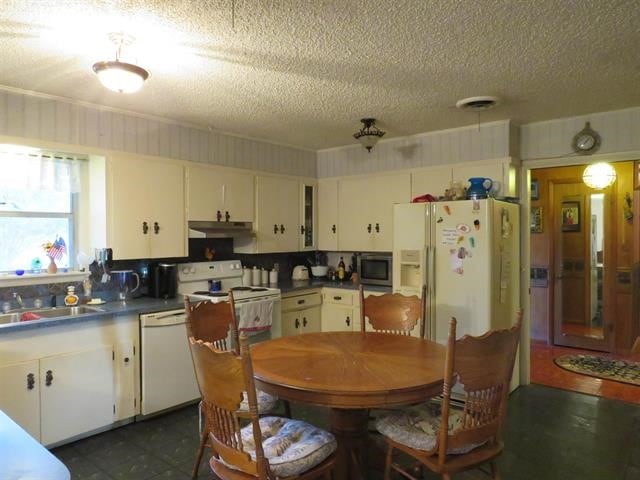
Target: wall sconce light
{"points": [[369, 134], [599, 175]]}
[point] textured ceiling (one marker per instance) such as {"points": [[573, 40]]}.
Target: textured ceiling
{"points": [[303, 73]]}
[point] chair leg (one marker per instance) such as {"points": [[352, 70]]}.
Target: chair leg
{"points": [[287, 408], [196, 467], [387, 463], [495, 473]]}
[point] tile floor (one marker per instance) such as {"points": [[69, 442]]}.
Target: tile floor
{"points": [[550, 434], [545, 372]]}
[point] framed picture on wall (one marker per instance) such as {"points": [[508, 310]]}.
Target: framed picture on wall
{"points": [[536, 220], [570, 216], [535, 193]]}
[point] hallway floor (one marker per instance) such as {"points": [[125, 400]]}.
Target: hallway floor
{"points": [[545, 372], [550, 434]]}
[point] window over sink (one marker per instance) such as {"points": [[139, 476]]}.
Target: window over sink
{"points": [[39, 196]]}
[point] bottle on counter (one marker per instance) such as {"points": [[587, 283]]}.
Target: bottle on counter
{"points": [[246, 276], [255, 277], [264, 276], [71, 299], [273, 277], [341, 270]]}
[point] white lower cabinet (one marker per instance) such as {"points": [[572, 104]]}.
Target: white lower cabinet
{"points": [[20, 395], [301, 313], [340, 310], [76, 393], [62, 382]]}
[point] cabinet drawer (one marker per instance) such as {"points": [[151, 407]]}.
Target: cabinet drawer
{"points": [[298, 302], [339, 296]]}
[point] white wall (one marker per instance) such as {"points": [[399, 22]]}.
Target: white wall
{"points": [[57, 120], [619, 130], [493, 140]]}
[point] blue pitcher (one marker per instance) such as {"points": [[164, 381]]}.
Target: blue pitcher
{"points": [[479, 188]]}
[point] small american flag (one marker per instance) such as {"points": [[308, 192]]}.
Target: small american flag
{"points": [[58, 249]]}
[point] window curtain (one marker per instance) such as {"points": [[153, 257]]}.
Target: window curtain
{"points": [[41, 171]]}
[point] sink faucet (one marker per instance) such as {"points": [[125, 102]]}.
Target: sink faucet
{"points": [[18, 299]]}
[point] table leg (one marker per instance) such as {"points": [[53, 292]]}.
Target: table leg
{"points": [[350, 430]]}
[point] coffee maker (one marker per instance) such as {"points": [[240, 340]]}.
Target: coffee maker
{"points": [[163, 280]]}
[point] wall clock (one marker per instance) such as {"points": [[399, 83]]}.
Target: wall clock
{"points": [[586, 141]]}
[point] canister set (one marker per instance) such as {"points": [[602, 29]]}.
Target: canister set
{"points": [[259, 276]]}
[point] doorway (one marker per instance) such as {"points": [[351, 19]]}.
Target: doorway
{"points": [[581, 245]]}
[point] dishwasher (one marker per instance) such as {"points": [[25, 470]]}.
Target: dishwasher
{"points": [[167, 376]]}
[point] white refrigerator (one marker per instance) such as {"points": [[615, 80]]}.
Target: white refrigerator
{"points": [[467, 254]]}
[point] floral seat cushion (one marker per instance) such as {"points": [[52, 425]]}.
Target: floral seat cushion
{"points": [[266, 402], [291, 446], [417, 427]]}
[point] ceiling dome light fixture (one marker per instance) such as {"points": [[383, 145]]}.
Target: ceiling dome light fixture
{"points": [[369, 134], [477, 104], [120, 76], [599, 175]]}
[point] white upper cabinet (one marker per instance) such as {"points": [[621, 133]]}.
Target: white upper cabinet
{"points": [[146, 208], [365, 212], [277, 224], [216, 194], [328, 214]]}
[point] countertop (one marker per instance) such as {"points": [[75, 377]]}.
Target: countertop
{"points": [[292, 286], [23, 458], [107, 310], [148, 305]]}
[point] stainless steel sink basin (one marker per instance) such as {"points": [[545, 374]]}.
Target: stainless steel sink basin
{"points": [[53, 312]]}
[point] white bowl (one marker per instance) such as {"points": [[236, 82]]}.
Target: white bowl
{"points": [[319, 270]]}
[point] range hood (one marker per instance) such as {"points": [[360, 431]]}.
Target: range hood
{"points": [[200, 229]]}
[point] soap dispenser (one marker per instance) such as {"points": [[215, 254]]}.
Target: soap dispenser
{"points": [[71, 299]]}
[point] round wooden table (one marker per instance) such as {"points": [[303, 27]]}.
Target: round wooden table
{"points": [[349, 372]]}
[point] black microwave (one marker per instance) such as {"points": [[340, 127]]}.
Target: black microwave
{"points": [[375, 268]]}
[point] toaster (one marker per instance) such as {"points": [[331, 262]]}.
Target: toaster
{"points": [[300, 272]]}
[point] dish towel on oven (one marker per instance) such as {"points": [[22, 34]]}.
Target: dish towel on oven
{"points": [[255, 317]]}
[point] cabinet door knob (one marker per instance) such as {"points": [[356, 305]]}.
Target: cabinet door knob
{"points": [[126, 359], [333, 228], [302, 229], [275, 228], [300, 302], [369, 228], [281, 228], [219, 216], [31, 381], [377, 228], [348, 321], [48, 379], [156, 227], [297, 324], [145, 228], [337, 298], [304, 321], [226, 216]]}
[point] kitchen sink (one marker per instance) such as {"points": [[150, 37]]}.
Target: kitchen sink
{"points": [[51, 312]]}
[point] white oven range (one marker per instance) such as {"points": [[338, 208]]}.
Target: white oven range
{"points": [[167, 376]]}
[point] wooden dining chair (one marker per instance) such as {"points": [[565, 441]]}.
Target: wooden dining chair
{"points": [[268, 447], [216, 323], [393, 313], [471, 436]]}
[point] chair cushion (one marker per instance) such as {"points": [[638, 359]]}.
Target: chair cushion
{"points": [[291, 446], [417, 427], [266, 402]]}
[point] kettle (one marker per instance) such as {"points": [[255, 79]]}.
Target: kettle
{"points": [[479, 188], [300, 272]]}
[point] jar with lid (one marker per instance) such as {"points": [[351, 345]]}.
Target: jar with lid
{"points": [[264, 277], [71, 299], [255, 276]]}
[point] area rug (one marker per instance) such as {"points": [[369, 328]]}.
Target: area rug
{"points": [[601, 367]]}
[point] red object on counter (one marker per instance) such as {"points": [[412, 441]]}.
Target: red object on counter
{"points": [[427, 197], [29, 316]]}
